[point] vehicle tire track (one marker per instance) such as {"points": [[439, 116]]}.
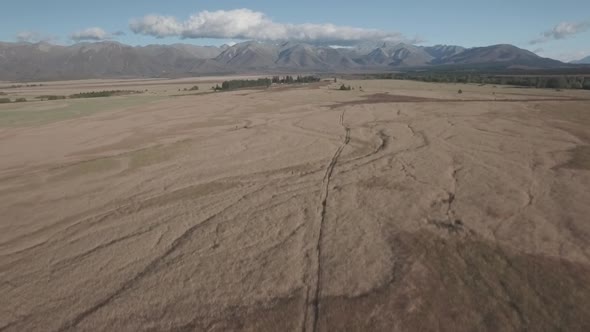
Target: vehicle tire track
{"points": [[311, 314], [151, 267]]}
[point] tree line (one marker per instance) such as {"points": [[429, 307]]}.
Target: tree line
{"points": [[291, 80], [264, 82], [8, 100], [98, 94], [549, 82]]}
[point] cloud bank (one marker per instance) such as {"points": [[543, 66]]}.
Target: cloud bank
{"points": [[92, 34], [95, 34], [248, 24], [562, 31], [34, 37]]}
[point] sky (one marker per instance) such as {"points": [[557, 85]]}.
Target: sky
{"points": [[556, 29]]}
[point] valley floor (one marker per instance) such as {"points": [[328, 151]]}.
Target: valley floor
{"points": [[397, 206]]}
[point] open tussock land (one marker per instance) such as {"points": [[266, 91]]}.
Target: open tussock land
{"points": [[404, 206]]}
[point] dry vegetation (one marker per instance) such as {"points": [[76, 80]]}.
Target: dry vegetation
{"points": [[405, 206]]}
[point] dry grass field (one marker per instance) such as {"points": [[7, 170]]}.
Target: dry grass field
{"points": [[399, 206]]}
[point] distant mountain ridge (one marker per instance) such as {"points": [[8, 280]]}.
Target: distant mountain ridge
{"points": [[584, 61], [43, 61]]}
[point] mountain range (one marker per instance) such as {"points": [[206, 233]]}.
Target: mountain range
{"points": [[584, 61], [44, 61]]}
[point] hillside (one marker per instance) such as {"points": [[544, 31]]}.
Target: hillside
{"points": [[43, 61]]}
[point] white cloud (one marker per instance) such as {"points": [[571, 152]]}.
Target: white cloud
{"points": [[92, 34], [248, 24], [566, 56], [561, 31], [572, 56], [34, 37]]}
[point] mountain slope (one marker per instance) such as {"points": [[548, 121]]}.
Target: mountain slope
{"points": [[304, 56], [396, 55], [583, 61], [249, 55], [506, 55], [43, 61], [443, 51]]}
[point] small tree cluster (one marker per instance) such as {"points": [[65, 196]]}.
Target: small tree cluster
{"points": [[240, 84], [290, 80]]}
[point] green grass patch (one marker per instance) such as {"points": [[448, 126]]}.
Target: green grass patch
{"points": [[33, 114]]}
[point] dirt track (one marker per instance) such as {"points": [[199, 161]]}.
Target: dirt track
{"points": [[302, 209]]}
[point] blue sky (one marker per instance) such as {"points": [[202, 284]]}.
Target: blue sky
{"points": [[466, 23]]}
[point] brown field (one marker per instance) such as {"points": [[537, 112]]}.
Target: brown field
{"points": [[401, 206]]}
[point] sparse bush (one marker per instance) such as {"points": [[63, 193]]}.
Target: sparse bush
{"points": [[345, 87], [460, 91], [20, 100], [2, 93], [4, 100], [194, 88]]}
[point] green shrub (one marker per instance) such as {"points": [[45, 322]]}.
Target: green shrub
{"points": [[345, 87]]}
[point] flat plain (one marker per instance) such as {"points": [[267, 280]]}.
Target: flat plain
{"points": [[396, 206]]}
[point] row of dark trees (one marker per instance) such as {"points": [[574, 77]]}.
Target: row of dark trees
{"points": [[550, 82], [98, 94], [240, 84], [291, 80], [264, 82], [17, 100], [16, 86]]}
